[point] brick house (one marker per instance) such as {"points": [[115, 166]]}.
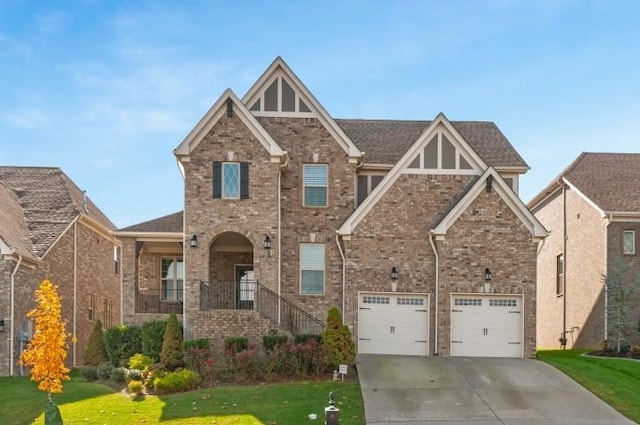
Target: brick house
{"points": [[414, 229], [50, 229], [592, 210]]}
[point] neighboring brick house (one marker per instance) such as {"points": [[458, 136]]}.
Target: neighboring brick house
{"points": [[50, 229], [592, 210], [414, 229]]}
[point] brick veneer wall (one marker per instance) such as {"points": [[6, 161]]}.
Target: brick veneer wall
{"points": [[208, 217], [94, 274], [25, 283], [614, 250], [396, 233], [584, 266]]}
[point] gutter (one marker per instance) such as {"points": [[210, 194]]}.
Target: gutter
{"points": [[12, 314], [437, 303]]}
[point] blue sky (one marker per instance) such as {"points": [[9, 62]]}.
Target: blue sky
{"points": [[107, 89]]}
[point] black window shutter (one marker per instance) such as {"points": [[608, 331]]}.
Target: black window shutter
{"points": [[244, 180], [217, 179]]}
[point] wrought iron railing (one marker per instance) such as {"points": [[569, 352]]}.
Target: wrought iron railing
{"points": [[250, 295], [159, 301]]}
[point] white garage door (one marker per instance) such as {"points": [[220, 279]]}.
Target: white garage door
{"points": [[393, 323], [486, 326]]}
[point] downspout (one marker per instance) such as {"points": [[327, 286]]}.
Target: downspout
{"points": [[75, 289], [344, 276], [606, 271], [279, 245], [563, 338], [437, 301], [12, 330]]}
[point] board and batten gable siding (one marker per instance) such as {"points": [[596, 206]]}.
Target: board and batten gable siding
{"points": [[302, 138]]}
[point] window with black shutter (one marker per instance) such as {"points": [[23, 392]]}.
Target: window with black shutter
{"points": [[231, 180]]}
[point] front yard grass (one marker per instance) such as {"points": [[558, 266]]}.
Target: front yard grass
{"points": [[89, 403], [616, 381]]}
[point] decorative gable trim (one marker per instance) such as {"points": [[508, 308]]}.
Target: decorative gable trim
{"points": [[506, 193], [440, 125], [228, 103], [279, 72]]}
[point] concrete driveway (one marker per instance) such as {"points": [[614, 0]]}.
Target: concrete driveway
{"points": [[405, 390]]}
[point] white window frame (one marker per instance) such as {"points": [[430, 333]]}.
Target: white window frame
{"points": [[176, 281], [224, 180], [560, 274], [305, 185], [302, 267], [633, 242]]}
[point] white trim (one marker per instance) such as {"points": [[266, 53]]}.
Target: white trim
{"points": [[583, 196], [152, 236], [500, 187], [401, 168], [279, 68], [211, 118]]}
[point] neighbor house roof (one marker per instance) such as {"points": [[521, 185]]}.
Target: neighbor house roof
{"points": [[49, 202], [14, 231], [385, 141], [610, 181]]}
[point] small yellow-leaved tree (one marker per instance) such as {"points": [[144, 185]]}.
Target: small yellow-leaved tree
{"points": [[47, 350]]}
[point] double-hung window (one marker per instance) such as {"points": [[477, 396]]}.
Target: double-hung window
{"points": [[230, 180], [172, 276], [312, 269], [629, 242], [316, 177]]}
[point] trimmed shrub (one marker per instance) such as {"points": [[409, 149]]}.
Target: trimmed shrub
{"points": [[122, 342], [140, 362], [202, 343], [104, 371], [95, 353], [303, 338], [172, 382], [117, 374], [198, 357], [337, 339], [271, 341], [135, 387], [171, 355], [236, 344], [90, 373], [152, 336]]}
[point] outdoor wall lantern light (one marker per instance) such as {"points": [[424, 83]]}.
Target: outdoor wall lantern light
{"points": [[193, 242], [1, 325], [487, 274], [394, 279], [266, 242]]}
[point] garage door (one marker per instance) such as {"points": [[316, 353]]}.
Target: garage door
{"points": [[393, 323], [486, 326]]}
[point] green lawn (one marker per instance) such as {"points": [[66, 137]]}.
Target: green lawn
{"points": [[616, 381], [87, 403]]}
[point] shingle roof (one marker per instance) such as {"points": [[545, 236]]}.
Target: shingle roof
{"points": [[13, 224], [385, 141], [609, 180], [168, 223], [50, 202]]}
